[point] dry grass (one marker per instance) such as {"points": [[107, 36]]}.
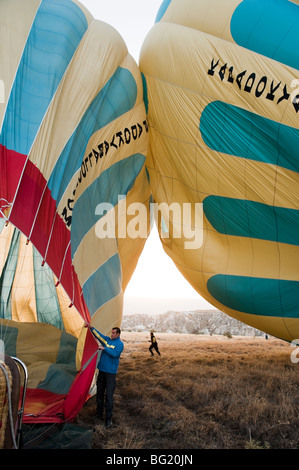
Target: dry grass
{"points": [[203, 392]]}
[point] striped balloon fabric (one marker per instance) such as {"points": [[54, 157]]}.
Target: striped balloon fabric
{"points": [[223, 101], [73, 141]]}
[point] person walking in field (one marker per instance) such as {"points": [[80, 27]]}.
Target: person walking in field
{"points": [[154, 345], [111, 348]]}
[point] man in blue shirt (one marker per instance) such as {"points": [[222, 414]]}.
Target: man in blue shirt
{"points": [[108, 364]]}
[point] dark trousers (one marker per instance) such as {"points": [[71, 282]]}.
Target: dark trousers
{"points": [[155, 346], [106, 384]]}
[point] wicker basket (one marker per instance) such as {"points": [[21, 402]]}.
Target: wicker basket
{"points": [[4, 401]]}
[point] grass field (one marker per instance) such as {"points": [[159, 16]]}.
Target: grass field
{"points": [[203, 392]]}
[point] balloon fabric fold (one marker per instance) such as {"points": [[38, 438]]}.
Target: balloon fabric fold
{"points": [[73, 136], [223, 107]]}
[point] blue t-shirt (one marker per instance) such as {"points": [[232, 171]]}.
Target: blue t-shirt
{"points": [[109, 359]]}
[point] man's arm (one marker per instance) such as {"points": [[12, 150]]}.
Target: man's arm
{"points": [[114, 351], [104, 340]]}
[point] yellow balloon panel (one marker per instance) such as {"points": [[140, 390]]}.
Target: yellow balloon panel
{"points": [[223, 105]]}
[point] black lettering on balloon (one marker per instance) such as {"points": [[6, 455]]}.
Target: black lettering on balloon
{"points": [[222, 72], [140, 130], [230, 75], [112, 143], [265, 84], [120, 138], [211, 71], [239, 78], [83, 169], [260, 89], [249, 83], [67, 218], [96, 155], [127, 135], [70, 201], [134, 132], [285, 95], [270, 96]]}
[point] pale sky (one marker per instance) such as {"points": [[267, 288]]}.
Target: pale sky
{"points": [[131, 18], [156, 275]]}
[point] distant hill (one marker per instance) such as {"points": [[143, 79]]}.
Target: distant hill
{"points": [[207, 322]]}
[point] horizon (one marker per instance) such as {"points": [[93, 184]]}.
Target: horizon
{"points": [[157, 306]]}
